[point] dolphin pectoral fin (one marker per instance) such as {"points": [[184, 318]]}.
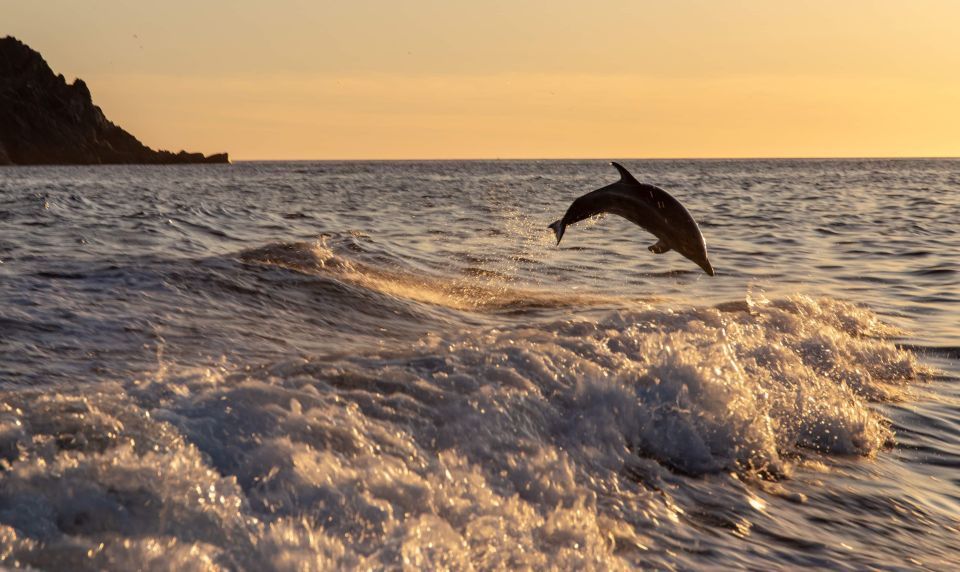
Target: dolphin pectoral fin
{"points": [[659, 248]]}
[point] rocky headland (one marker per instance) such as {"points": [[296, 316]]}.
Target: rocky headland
{"points": [[46, 121]]}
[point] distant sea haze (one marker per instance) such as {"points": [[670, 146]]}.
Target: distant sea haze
{"points": [[368, 365]]}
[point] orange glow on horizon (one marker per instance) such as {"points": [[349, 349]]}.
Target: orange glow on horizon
{"points": [[299, 80]]}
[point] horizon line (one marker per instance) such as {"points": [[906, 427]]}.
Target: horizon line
{"points": [[611, 158]]}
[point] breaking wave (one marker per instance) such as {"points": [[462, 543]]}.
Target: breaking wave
{"points": [[477, 290], [539, 447]]}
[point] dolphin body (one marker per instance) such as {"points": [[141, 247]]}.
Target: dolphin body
{"points": [[647, 206]]}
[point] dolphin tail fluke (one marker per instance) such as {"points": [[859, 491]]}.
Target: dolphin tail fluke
{"points": [[558, 228]]}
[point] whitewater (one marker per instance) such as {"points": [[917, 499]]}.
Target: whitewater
{"points": [[391, 365]]}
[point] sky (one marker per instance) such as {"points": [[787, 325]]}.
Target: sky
{"points": [[381, 79]]}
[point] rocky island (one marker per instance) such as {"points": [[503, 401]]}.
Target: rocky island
{"points": [[46, 121]]}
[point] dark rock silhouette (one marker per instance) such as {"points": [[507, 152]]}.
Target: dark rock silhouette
{"points": [[46, 121]]}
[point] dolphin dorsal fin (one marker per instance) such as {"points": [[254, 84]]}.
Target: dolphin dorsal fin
{"points": [[625, 176]]}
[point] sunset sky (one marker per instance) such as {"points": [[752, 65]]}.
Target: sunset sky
{"points": [[292, 79]]}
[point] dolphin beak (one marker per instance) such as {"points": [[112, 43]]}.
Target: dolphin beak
{"points": [[707, 267]]}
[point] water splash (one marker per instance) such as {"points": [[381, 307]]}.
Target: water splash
{"points": [[536, 447]]}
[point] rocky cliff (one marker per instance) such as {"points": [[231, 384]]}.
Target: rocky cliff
{"points": [[46, 121]]}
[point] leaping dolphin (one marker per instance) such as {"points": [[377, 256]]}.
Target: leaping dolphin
{"points": [[647, 206]]}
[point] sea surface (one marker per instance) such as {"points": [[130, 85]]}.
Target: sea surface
{"points": [[392, 365]]}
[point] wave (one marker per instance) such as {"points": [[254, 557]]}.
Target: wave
{"points": [[950, 352], [477, 290], [552, 445]]}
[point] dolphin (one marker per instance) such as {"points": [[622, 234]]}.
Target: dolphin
{"points": [[647, 206]]}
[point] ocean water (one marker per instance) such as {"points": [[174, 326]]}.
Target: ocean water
{"points": [[369, 365]]}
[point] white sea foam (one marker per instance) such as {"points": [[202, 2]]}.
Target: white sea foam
{"points": [[553, 446]]}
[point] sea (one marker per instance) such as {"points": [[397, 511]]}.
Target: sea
{"points": [[393, 366]]}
